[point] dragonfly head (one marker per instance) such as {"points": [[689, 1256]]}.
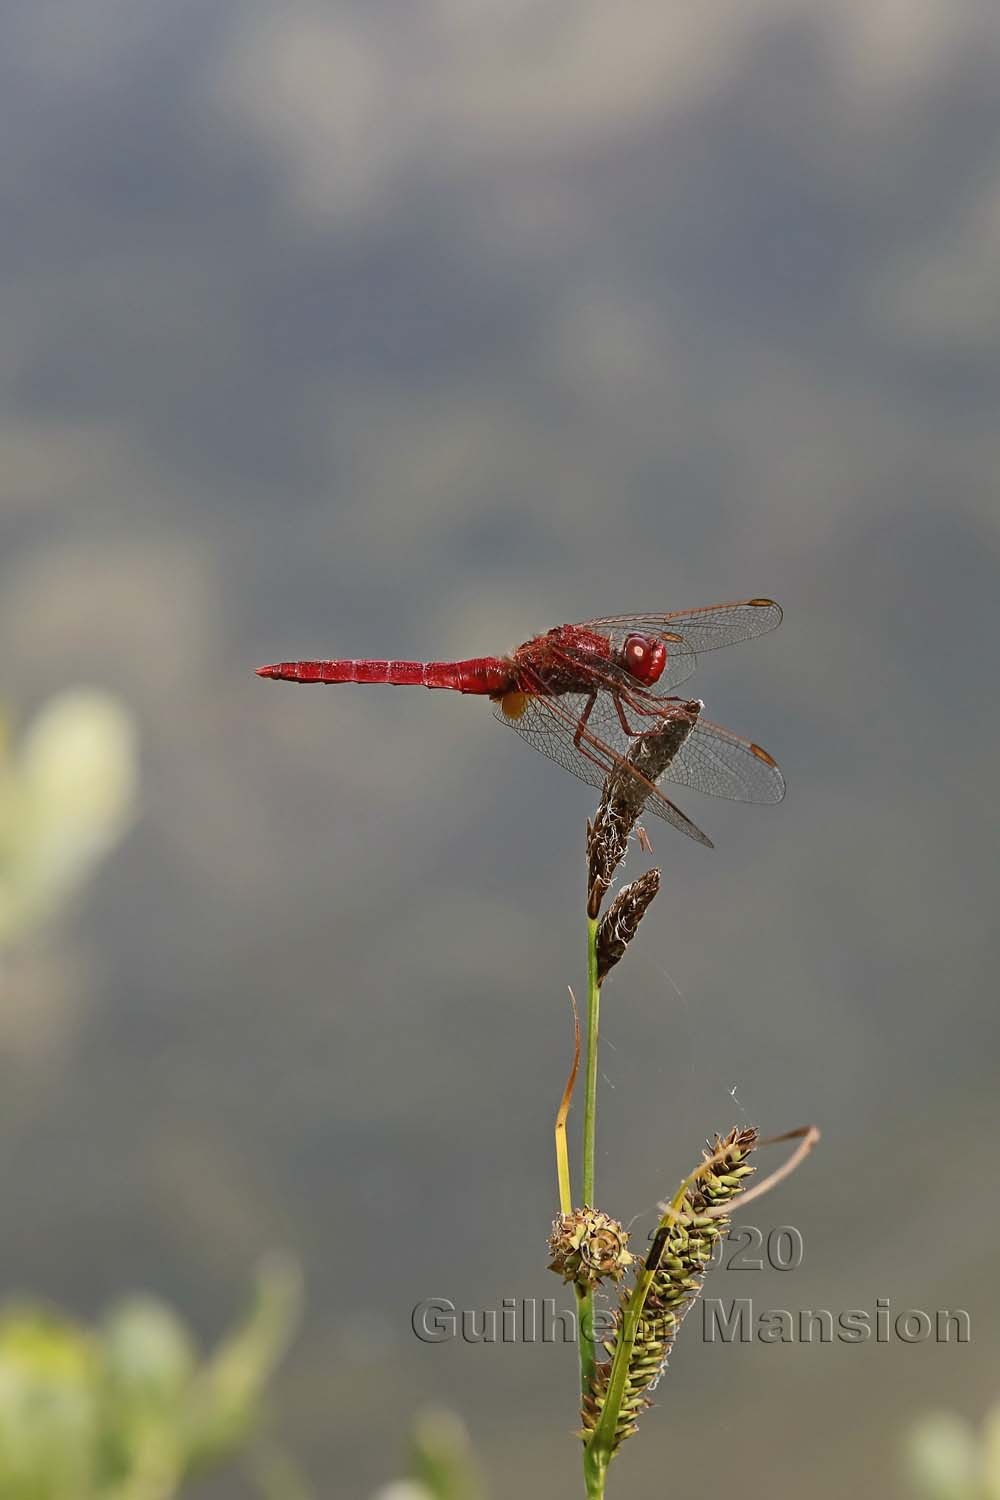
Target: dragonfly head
{"points": [[644, 657]]}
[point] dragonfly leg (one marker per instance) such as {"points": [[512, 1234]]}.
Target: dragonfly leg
{"points": [[582, 722], [621, 714], [578, 744], [656, 710]]}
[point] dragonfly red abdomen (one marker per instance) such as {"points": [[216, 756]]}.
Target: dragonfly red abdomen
{"points": [[486, 675]]}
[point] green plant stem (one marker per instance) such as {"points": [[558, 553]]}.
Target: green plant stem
{"points": [[590, 1097], [598, 1452], [584, 1342], [601, 1445], [594, 1474], [585, 1334]]}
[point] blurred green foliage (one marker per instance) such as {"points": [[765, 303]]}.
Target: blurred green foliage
{"points": [[441, 1463], [67, 791], [948, 1459], [127, 1410]]}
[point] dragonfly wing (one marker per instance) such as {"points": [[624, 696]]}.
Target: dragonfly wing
{"points": [[550, 725], [683, 633], [723, 764], [688, 632], [704, 629]]}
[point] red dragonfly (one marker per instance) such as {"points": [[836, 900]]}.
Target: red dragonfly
{"points": [[582, 694]]}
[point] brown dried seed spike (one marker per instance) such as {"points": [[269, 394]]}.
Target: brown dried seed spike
{"points": [[620, 922], [626, 787]]}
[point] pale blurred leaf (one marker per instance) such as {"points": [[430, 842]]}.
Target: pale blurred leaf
{"points": [[66, 796], [149, 1354], [991, 1453], [443, 1461], [943, 1459], [230, 1384], [49, 1417]]}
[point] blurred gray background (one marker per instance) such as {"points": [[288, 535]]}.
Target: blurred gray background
{"points": [[386, 329]]}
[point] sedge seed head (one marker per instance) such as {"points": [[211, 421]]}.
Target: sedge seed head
{"points": [[588, 1246]]}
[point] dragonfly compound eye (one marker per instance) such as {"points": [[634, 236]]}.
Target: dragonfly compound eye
{"points": [[644, 658]]}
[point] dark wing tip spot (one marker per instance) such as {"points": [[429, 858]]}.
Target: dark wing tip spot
{"points": [[762, 754]]}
